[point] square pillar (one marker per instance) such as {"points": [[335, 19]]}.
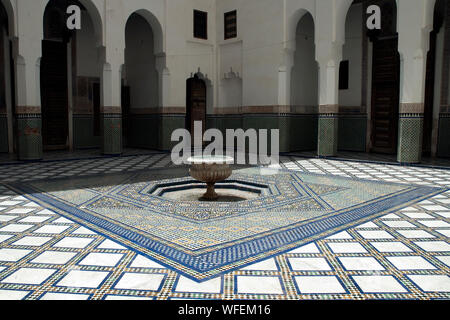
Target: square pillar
{"points": [[111, 122], [328, 130], [410, 132]]}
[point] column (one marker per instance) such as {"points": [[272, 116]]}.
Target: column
{"points": [[328, 99], [414, 25], [111, 110], [28, 110], [27, 52]]}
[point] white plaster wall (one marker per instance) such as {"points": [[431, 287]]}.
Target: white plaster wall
{"points": [[352, 51], [87, 52], [304, 75], [266, 28]]}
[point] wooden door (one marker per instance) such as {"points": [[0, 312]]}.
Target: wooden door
{"points": [[54, 95], [196, 103], [385, 95]]}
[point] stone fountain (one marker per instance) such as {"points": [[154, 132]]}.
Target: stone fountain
{"points": [[210, 170]]}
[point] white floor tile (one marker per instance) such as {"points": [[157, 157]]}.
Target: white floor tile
{"points": [[122, 298], [140, 281], [415, 234], [319, 285], [259, 285], [63, 220], [360, 263], [64, 296], [20, 211], [101, 259], [435, 223], [351, 247], [375, 234], [309, 248], [34, 219], [73, 243], [433, 246], [16, 227], [45, 212], [379, 284], [34, 276], [188, 285], [32, 241], [368, 225], [143, 262], [399, 224], [108, 244], [432, 283], [54, 257], [12, 294], [50, 229], [7, 218], [13, 255], [83, 279], [427, 207], [344, 235], [391, 247], [444, 259], [84, 231], [309, 264], [4, 237], [445, 232], [266, 265], [411, 263], [418, 215]]}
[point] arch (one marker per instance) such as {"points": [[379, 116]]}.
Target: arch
{"points": [[434, 132], [292, 24], [304, 86], [92, 10], [70, 77], [156, 27], [9, 11], [141, 84], [371, 55]]}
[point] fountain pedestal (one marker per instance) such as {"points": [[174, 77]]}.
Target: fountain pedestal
{"points": [[210, 170]]}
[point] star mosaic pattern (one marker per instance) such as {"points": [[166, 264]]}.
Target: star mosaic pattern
{"points": [[402, 255]]}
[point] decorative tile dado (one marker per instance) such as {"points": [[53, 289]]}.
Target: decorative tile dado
{"points": [[111, 110], [329, 109], [408, 108], [158, 111], [28, 110]]}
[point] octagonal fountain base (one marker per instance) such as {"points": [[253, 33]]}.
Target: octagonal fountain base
{"points": [[228, 191]]}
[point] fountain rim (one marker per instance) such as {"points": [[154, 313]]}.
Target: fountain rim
{"points": [[210, 160]]}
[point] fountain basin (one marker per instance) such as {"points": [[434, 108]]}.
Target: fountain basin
{"points": [[210, 170]]}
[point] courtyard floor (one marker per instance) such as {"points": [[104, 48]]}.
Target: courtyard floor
{"points": [[401, 255]]}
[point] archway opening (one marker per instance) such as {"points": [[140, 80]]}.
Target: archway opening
{"points": [[7, 96], [195, 103], [385, 81], [140, 87], [304, 87], [369, 81], [70, 80], [433, 82]]}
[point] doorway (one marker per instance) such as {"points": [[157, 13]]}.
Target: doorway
{"points": [[385, 83], [54, 80], [195, 103]]}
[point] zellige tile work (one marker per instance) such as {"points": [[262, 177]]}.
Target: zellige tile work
{"points": [[403, 254]]}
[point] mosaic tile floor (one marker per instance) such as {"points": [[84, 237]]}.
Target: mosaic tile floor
{"points": [[403, 255]]}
